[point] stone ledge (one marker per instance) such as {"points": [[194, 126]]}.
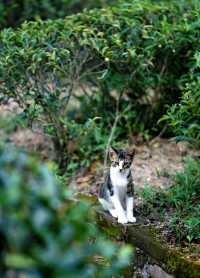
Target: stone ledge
{"points": [[146, 238]]}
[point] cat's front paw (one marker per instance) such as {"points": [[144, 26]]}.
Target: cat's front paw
{"points": [[131, 218], [122, 219]]}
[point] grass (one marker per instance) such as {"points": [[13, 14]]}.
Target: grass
{"points": [[181, 202]]}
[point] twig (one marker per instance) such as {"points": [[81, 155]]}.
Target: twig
{"points": [[118, 115]]}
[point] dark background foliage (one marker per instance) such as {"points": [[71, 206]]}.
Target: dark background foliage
{"points": [[15, 12]]}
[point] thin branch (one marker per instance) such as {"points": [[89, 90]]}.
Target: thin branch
{"points": [[118, 115]]}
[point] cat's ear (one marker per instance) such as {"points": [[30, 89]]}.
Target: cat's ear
{"points": [[131, 153], [113, 154]]}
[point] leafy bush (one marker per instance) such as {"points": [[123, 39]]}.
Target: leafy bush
{"points": [[183, 199], [138, 51], [184, 118], [46, 75], [45, 234]]}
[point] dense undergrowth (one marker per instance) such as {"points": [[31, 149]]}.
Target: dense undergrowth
{"points": [[179, 206]]}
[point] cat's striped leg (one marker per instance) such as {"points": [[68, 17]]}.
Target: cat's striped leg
{"points": [[108, 207], [105, 204]]}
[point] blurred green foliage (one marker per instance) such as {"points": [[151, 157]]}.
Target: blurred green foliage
{"points": [[43, 232], [181, 201], [69, 72]]}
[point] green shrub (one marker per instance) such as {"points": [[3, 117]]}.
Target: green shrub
{"points": [[184, 118], [43, 79], [140, 50], [45, 234]]}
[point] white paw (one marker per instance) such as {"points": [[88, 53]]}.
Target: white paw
{"points": [[131, 218], [113, 212], [122, 219]]}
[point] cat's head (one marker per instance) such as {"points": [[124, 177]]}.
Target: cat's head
{"points": [[121, 159]]}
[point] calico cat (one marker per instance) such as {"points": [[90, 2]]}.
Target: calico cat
{"points": [[116, 193]]}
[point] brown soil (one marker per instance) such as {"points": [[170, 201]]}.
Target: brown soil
{"points": [[33, 142]]}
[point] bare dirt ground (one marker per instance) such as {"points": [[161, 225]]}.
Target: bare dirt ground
{"points": [[32, 141]]}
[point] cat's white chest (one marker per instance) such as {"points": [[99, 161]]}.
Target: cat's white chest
{"points": [[118, 179]]}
